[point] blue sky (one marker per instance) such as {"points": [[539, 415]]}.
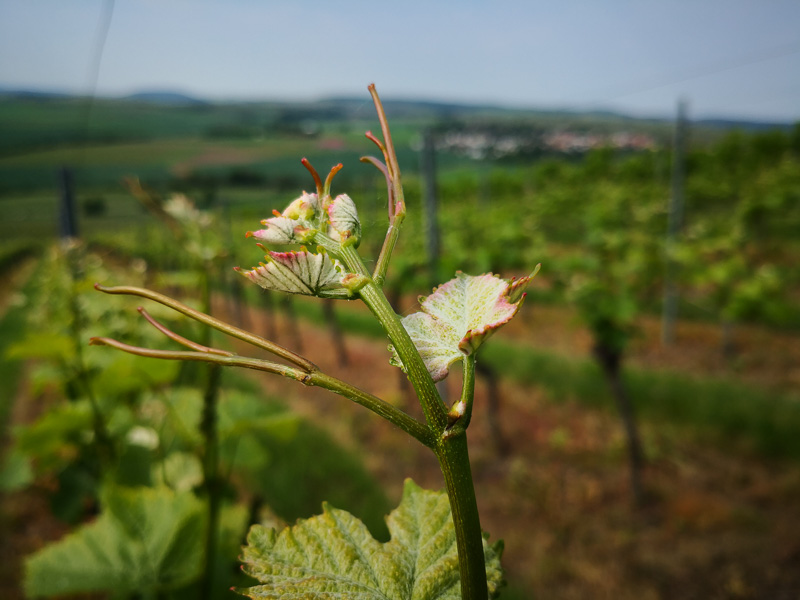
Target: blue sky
{"points": [[727, 57]]}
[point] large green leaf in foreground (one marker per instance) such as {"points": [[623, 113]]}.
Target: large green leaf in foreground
{"points": [[146, 540], [333, 556]]}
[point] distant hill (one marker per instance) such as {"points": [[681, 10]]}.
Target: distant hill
{"points": [[342, 106], [736, 124], [165, 97], [428, 108], [34, 119], [33, 94]]}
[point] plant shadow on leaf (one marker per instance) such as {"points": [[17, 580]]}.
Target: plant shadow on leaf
{"points": [[293, 465]]}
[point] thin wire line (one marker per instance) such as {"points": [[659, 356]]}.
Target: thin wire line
{"points": [[720, 67], [103, 26]]}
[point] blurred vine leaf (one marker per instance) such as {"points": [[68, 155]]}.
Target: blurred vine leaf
{"points": [[15, 472], [244, 414], [181, 471], [333, 555], [42, 345], [125, 374], [146, 540], [53, 440]]}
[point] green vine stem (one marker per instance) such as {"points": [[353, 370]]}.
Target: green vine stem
{"points": [[451, 442], [407, 423], [211, 480], [450, 436], [432, 405], [451, 450], [106, 451], [444, 431], [382, 265], [453, 456], [397, 204], [461, 412], [208, 427]]}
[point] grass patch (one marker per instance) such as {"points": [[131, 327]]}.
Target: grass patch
{"points": [[12, 328], [768, 422]]}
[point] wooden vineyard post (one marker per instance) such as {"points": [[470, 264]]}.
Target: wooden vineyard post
{"points": [[67, 215], [431, 208], [674, 225], [427, 169]]}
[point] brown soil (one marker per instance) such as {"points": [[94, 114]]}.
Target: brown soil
{"points": [[216, 156], [12, 282], [696, 350]]}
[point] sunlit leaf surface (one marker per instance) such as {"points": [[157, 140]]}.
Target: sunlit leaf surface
{"points": [[333, 556], [298, 273], [459, 315]]}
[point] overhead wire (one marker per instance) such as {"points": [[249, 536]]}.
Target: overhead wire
{"points": [[101, 37], [721, 66]]}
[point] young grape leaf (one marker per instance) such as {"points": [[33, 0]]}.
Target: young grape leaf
{"points": [[333, 556], [283, 230], [304, 208], [146, 540], [343, 217], [459, 315], [300, 273]]}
